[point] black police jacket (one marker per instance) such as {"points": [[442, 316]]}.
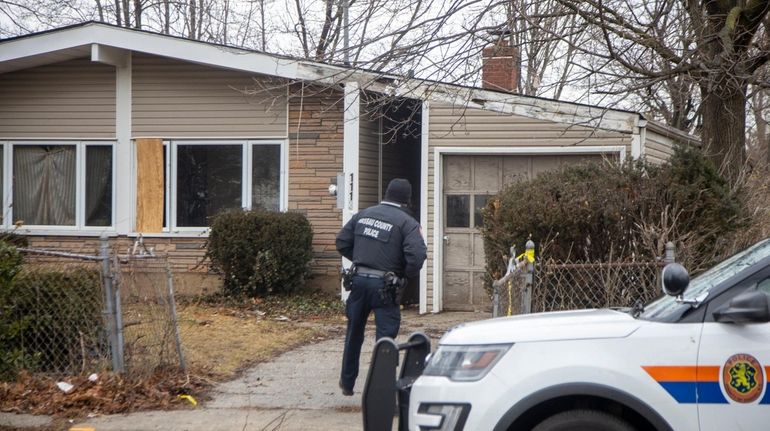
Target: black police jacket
{"points": [[384, 237]]}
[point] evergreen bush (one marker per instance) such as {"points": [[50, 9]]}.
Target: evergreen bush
{"points": [[607, 211], [261, 252], [61, 311], [11, 355], [46, 315]]}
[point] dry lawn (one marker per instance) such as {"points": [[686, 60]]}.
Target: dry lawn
{"points": [[224, 341]]}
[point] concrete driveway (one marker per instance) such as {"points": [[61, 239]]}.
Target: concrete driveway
{"points": [[295, 391]]}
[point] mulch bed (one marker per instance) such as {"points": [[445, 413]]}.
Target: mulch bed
{"points": [[109, 394]]}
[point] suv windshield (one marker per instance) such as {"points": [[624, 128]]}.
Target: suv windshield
{"points": [[702, 284]]}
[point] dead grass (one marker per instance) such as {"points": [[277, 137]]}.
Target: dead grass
{"points": [[219, 341], [224, 341]]}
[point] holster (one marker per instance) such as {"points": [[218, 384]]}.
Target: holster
{"points": [[347, 277], [394, 287]]}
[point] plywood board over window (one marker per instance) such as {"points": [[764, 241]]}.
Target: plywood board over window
{"points": [[150, 185]]}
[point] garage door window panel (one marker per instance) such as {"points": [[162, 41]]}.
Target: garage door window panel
{"points": [[479, 202], [458, 211]]}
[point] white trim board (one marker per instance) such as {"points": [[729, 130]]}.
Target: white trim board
{"points": [[350, 160], [570, 150], [438, 181], [424, 165]]}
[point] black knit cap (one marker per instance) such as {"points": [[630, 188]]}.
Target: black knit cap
{"points": [[399, 191]]}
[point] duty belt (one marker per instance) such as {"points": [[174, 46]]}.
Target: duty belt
{"points": [[362, 270]]}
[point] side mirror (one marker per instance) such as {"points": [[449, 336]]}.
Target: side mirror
{"points": [[751, 306], [675, 279]]}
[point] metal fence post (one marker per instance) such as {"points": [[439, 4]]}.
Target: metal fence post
{"points": [[670, 256], [529, 271], [115, 273], [495, 299], [174, 321], [110, 305], [497, 284]]}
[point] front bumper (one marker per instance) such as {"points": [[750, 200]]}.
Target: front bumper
{"points": [[442, 416], [475, 404]]}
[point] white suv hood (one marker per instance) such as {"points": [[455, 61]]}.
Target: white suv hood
{"points": [[563, 325]]}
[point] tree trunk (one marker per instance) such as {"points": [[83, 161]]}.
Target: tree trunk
{"points": [[100, 9], [166, 16], [262, 27], [724, 127], [126, 14], [138, 14], [118, 18], [191, 18]]}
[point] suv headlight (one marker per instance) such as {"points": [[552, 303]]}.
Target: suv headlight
{"points": [[465, 363]]}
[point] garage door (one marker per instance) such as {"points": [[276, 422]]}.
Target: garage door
{"points": [[468, 182]]}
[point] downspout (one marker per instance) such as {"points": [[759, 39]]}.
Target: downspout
{"points": [[639, 139]]}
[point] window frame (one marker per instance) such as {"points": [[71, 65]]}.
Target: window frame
{"points": [[80, 185], [170, 147]]}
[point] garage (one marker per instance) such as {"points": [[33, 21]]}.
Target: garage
{"points": [[468, 182]]}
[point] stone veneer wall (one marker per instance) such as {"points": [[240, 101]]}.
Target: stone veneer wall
{"points": [[315, 158]]}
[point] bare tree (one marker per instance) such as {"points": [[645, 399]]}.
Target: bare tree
{"points": [[718, 46]]}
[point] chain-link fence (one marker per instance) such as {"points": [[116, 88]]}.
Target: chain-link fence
{"points": [[551, 285], [511, 295], [149, 321], [67, 314], [55, 312], [569, 286]]}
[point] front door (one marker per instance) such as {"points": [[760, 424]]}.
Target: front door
{"points": [[468, 182]]}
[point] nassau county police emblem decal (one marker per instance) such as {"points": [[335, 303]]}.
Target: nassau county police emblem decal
{"points": [[742, 378]]}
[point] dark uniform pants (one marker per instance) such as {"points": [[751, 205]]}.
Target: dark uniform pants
{"points": [[365, 297]]}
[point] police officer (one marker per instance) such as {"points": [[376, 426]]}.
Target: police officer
{"points": [[386, 246]]}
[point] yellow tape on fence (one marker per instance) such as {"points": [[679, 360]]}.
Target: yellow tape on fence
{"points": [[529, 255]]}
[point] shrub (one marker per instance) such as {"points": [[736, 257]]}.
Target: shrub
{"points": [[14, 239], [609, 211], [261, 252], [56, 319], [10, 354]]}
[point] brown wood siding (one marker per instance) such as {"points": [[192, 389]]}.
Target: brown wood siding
{"points": [[176, 99], [315, 158], [469, 127], [368, 158], [71, 99], [657, 148]]}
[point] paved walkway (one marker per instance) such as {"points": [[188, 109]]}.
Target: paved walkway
{"points": [[295, 391]]}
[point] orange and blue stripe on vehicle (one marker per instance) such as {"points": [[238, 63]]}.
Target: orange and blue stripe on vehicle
{"points": [[689, 384]]}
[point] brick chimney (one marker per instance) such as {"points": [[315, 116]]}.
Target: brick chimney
{"points": [[500, 66]]}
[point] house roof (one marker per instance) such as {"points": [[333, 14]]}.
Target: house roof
{"points": [[98, 40]]}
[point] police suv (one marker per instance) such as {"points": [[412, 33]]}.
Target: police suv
{"points": [[697, 359]]}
